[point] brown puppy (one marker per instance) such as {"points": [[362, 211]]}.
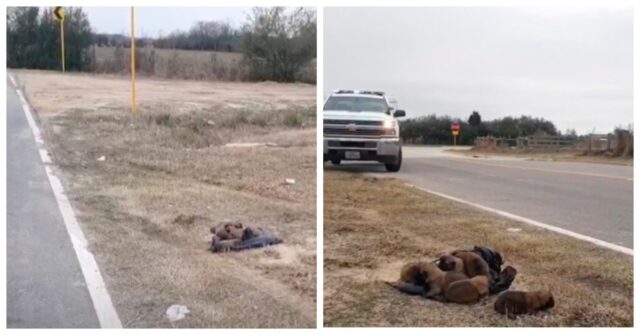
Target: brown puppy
{"points": [[438, 281], [468, 290], [413, 273], [424, 278], [228, 230], [454, 286], [513, 303], [428, 280], [451, 263], [468, 263], [474, 265]]}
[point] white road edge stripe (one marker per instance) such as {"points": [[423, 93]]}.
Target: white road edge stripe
{"points": [[562, 231], [107, 315]]}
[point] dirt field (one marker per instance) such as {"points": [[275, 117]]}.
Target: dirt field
{"points": [[373, 226], [147, 188]]}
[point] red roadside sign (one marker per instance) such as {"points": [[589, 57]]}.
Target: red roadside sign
{"points": [[455, 131]]}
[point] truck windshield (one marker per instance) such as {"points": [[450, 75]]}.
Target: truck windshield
{"points": [[356, 104]]}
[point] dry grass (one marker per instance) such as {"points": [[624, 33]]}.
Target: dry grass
{"points": [[105, 54], [373, 226], [167, 177], [53, 92], [171, 63], [182, 64]]}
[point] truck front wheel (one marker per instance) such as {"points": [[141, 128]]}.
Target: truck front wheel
{"points": [[395, 167]]}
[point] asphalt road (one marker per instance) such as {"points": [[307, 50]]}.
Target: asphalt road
{"points": [[45, 285], [595, 200]]}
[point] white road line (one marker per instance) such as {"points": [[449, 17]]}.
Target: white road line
{"points": [[562, 231], [107, 315]]}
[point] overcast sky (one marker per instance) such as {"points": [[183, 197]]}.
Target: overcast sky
{"points": [[152, 21], [571, 66]]}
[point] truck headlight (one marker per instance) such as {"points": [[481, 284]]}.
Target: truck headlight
{"points": [[389, 124]]}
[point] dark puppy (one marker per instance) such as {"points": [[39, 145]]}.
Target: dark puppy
{"points": [[513, 303], [504, 280], [492, 257]]}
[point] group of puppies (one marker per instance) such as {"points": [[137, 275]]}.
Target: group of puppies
{"points": [[467, 276], [234, 236]]}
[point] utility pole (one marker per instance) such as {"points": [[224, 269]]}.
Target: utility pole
{"points": [[58, 15], [133, 63]]}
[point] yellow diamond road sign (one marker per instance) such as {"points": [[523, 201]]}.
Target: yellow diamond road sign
{"points": [[58, 13]]}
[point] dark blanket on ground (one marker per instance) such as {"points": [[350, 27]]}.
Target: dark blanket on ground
{"points": [[258, 241]]}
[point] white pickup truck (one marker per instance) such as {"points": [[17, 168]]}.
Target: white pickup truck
{"points": [[361, 125]]}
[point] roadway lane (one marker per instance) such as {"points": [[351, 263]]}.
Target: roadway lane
{"points": [[591, 199], [45, 285]]}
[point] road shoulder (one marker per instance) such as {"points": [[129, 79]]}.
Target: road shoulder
{"points": [[46, 286]]}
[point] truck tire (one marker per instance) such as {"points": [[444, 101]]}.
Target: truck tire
{"points": [[335, 161], [395, 167]]}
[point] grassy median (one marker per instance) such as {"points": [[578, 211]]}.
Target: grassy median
{"points": [[372, 226], [147, 188]]}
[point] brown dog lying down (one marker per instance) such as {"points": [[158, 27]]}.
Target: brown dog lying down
{"points": [[429, 281], [234, 236], [513, 303]]}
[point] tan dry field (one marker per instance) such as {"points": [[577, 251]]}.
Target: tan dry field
{"points": [[373, 226], [167, 177]]}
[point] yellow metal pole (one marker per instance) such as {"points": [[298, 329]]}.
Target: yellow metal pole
{"points": [[62, 43], [133, 64]]}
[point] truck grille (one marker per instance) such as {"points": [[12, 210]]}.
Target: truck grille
{"points": [[353, 128], [353, 144], [356, 131], [357, 123]]}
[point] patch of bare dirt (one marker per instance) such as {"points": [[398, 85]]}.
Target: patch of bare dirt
{"points": [[373, 226], [167, 177]]}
